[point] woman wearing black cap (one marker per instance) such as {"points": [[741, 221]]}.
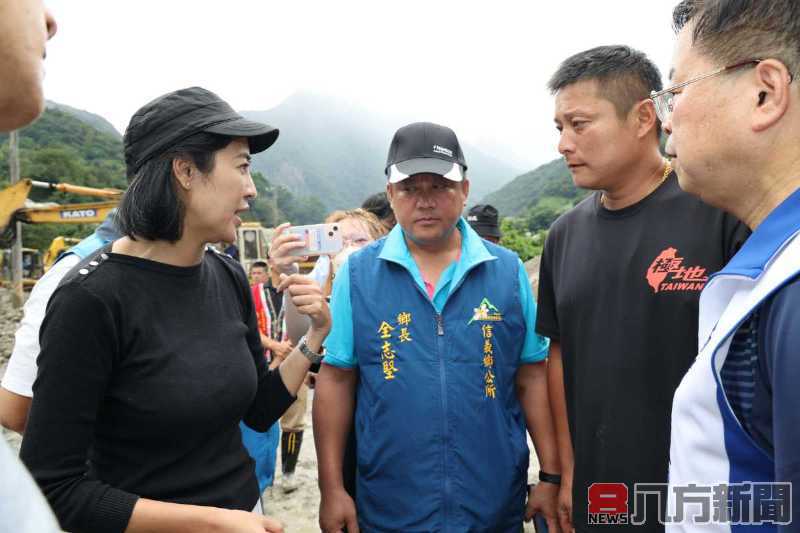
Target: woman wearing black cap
{"points": [[150, 351]]}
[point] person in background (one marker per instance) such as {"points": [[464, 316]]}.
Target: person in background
{"points": [[268, 304], [358, 228], [733, 119], [25, 28], [259, 272], [269, 308], [620, 278], [378, 204], [485, 221], [155, 335]]}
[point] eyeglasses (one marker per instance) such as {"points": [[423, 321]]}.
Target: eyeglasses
{"points": [[664, 100]]}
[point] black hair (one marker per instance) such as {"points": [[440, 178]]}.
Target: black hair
{"points": [[625, 76], [151, 208], [258, 264], [378, 204], [729, 31]]}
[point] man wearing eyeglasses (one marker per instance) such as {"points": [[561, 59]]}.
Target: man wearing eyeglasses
{"points": [[734, 124], [621, 274]]}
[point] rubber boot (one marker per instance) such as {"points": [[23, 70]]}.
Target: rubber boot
{"points": [[290, 452]]}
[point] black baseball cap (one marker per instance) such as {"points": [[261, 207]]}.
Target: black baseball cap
{"points": [[175, 116], [424, 147], [484, 220]]}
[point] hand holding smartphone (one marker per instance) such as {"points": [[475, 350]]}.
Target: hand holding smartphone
{"points": [[319, 239]]}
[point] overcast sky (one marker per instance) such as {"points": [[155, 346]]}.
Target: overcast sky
{"points": [[479, 67]]}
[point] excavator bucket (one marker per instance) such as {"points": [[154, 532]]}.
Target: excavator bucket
{"points": [[12, 199]]}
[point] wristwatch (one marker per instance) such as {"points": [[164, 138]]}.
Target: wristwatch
{"points": [[314, 357], [545, 477]]}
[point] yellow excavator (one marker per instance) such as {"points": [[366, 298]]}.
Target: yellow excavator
{"points": [[15, 206], [58, 246], [252, 239]]}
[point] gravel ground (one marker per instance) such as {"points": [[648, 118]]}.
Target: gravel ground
{"points": [[9, 318]]}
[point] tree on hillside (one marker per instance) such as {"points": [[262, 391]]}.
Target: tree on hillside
{"points": [[516, 237], [60, 147], [276, 204], [545, 212]]}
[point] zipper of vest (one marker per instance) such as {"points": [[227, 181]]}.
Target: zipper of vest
{"points": [[440, 347], [443, 382]]}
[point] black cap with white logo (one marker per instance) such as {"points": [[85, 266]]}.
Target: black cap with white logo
{"points": [[424, 147]]}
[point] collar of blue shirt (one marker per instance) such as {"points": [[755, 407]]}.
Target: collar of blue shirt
{"points": [[768, 238], [473, 252]]}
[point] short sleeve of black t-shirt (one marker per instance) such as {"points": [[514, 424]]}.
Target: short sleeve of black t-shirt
{"points": [[619, 290], [546, 315]]}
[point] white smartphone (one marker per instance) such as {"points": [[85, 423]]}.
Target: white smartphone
{"points": [[318, 238]]}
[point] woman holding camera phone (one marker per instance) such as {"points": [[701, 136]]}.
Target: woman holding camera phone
{"points": [[150, 350], [357, 228]]}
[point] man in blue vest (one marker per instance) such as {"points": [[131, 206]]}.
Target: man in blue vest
{"points": [[733, 117], [439, 325]]}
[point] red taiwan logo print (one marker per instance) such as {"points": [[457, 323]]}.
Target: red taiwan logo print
{"points": [[668, 273]]}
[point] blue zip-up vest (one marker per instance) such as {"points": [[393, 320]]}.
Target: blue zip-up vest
{"points": [[436, 452]]}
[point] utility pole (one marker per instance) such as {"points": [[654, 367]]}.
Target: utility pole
{"points": [[16, 250]]}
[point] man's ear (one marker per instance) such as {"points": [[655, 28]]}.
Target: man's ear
{"points": [[465, 189], [770, 93], [184, 171], [645, 117], [390, 194]]}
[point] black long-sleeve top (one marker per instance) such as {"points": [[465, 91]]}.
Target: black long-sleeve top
{"points": [[145, 371]]}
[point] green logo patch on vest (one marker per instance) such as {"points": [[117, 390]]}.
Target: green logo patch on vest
{"points": [[486, 312]]}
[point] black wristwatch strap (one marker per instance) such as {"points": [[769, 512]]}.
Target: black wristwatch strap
{"points": [[544, 477]]}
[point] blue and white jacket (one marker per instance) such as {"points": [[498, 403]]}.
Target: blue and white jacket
{"points": [[709, 446]]}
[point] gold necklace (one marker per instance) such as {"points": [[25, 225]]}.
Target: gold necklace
{"points": [[664, 176]]}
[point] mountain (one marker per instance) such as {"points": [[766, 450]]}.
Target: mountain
{"points": [[549, 184], [551, 180], [59, 146], [95, 121], [62, 147], [336, 151], [78, 147]]}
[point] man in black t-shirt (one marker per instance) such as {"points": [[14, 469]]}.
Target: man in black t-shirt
{"points": [[621, 274]]}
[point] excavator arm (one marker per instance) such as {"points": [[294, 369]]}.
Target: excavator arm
{"points": [[14, 206]]}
